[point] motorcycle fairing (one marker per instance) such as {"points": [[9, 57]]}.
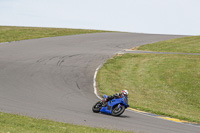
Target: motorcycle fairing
{"points": [[112, 103]]}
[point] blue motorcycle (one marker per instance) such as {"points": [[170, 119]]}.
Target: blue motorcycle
{"points": [[114, 107]]}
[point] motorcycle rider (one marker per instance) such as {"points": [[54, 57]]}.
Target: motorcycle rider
{"points": [[117, 95]]}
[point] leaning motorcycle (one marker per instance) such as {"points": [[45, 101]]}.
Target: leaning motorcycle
{"points": [[114, 107]]}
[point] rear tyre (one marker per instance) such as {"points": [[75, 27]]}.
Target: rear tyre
{"points": [[118, 111], [97, 107]]}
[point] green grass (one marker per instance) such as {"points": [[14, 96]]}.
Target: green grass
{"points": [[161, 84], [184, 45], [12, 33], [21, 124]]}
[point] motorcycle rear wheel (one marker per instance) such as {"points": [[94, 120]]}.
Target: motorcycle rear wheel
{"points": [[118, 111], [97, 107]]}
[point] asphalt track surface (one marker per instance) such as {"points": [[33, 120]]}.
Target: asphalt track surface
{"points": [[52, 78]]}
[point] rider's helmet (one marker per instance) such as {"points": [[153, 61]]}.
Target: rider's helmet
{"points": [[124, 92]]}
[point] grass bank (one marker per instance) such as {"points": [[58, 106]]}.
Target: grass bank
{"points": [[162, 84], [10, 123], [183, 45], [12, 33]]}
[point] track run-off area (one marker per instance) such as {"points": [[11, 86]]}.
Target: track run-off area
{"points": [[52, 78]]}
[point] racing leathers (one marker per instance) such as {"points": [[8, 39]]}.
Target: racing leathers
{"points": [[117, 95]]}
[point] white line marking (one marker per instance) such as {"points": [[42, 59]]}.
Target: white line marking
{"points": [[94, 82]]}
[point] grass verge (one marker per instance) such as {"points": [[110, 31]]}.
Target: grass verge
{"points": [[183, 45], [161, 84], [12, 33], [11, 123]]}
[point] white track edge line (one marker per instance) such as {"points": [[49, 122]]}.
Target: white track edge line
{"points": [[94, 82]]}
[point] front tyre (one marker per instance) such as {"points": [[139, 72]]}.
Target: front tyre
{"points": [[117, 111], [97, 107]]}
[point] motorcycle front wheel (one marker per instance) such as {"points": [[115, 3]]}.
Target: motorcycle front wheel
{"points": [[97, 107], [118, 111]]}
